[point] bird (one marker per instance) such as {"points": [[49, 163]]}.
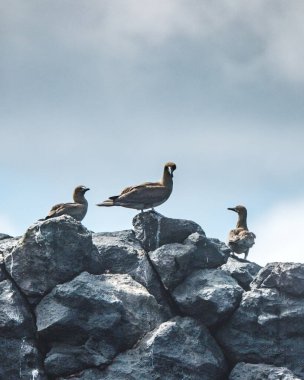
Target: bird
{"points": [[146, 195], [240, 239], [76, 209]]}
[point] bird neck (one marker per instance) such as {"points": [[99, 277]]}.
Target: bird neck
{"points": [[167, 179], [79, 198], [242, 221]]}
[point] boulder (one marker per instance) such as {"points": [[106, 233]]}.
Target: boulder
{"points": [[268, 325], [20, 359], [154, 230], [247, 371], [120, 252], [174, 262], [16, 320], [242, 271], [4, 236], [51, 252], [178, 349], [209, 295], [89, 320], [285, 277]]}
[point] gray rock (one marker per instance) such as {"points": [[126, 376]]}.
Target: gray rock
{"points": [[6, 246], [246, 371], [210, 295], [20, 359], [50, 252], [154, 230], [221, 246], [266, 328], [16, 320], [174, 262], [243, 272], [121, 252], [179, 349], [4, 236], [87, 321], [286, 277]]}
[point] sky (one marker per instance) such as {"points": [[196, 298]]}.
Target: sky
{"points": [[103, 93]]}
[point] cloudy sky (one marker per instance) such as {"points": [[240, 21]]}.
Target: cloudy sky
{"points": [[103, 93]]}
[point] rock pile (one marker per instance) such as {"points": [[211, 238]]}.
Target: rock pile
{"points": [[161, 301]]}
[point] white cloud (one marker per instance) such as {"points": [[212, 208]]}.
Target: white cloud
{"points": [[245, 38], [279, 234]]}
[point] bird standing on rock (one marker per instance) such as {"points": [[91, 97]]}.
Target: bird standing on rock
{"points": [[147, 195], [76, 209], [240, 240]]}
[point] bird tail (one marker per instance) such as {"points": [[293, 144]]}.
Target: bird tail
{"points": [[108, 202]]}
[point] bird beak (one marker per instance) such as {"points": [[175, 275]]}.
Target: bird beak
{"points": [[231, 208], [86, 189]]}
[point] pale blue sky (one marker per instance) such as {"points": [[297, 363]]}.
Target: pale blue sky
{"points": [[103, 93]]}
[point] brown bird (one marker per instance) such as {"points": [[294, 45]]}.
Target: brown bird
{"points": [[76, 209], [240, 240], [147, 195]]}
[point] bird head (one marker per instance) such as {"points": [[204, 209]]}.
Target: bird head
{"points": [[170, 167], [238, 209], [81, 190]]}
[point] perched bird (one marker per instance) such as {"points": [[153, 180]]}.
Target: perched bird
{"points": [[76, 209], [147, 195], [240, 240]]}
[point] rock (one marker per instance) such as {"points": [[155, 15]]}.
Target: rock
{"points": [[268, 325], [20, 359], [4, 236], [246, 371], [121, 252], [221, 246], [242, 272], [6, 246], [154, 230], [174, 262], [87, 321], [210, 295], [286, 277], [51, 252], [16, 320], [178, 349]]}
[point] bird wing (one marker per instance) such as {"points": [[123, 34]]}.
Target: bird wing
{"points": [[241, 237], [62, 209], [143, 185], [147, 193]]}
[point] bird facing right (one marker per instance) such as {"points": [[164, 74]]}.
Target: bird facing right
{"points": [[147, 195], [76, 209], [240, 239]]}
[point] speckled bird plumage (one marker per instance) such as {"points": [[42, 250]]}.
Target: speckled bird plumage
{"points": [[240, 239]]}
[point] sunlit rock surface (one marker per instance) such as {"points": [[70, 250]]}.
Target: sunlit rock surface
{"points": [[161, 302]]}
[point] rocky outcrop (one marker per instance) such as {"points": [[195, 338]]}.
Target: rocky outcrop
{"points": [[168, 353], [50, 252], [100, 315], [209, 295], [246, 371], [268, 325], [242, 271], [154, 230], [19, 355], [160, 302]]}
